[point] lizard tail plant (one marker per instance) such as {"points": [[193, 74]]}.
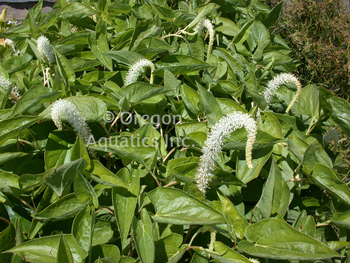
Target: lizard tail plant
{"points": [[136, 69], [212, 146]]}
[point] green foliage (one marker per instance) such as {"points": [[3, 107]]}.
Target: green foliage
{"points": [[129, 194]]}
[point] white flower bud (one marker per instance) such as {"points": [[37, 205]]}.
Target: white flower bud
{"points": [[45, 50], [212, 146], [135, 70], [64, 108]]}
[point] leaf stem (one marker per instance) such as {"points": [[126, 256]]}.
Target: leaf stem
{"points": [[153, 175], [311, 126], [5, 220]]}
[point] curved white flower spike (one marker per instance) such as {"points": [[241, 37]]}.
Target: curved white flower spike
{"points": [[45, 50], [277, 81], [135, 71], [212, 146], [206, 23], [67, 109], [254, 260]]}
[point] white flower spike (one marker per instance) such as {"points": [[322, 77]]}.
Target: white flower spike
{"points": [[5, 84], [276, 82], [206, 23], [11, 44], [135, 71], [64, 108], [212, 146], [45, 50]]}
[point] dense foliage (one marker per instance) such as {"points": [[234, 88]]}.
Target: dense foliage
{"points": [[132, 195]]}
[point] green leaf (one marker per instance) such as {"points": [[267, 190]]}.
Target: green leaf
{"points": [[180, 64], [327, 179], [143, 236], [275, 194], [64, 255], [44, 250], [273, 15], [64, 208], [167, 247], [276, 239], [227, 26], [29, 102], [124, 203], [341, 113], [98, 47], [210, 106], [124, 56], [174, 206], [76, 10], [140, 91], [309, 101], [243, 33], [227, 255], [58, 149], [104, 176], [7, 241], [12, 127], [82, 227], [84, 190], [127, 147], [260, 157], [8, 181], [63, 175], [16, 64], [64, 68], [236, 224], [108, 252], [28, 182], [79, 151], [104, 232], [341, 219], [163, 12]]}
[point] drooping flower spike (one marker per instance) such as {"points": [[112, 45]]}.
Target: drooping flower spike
{"points": [[276, 82], [45, 49], [213, 145], [206, 23], [135, 71], [64, 108]]}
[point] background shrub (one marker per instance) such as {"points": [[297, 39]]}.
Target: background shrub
{"points": [[318, 32]]}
